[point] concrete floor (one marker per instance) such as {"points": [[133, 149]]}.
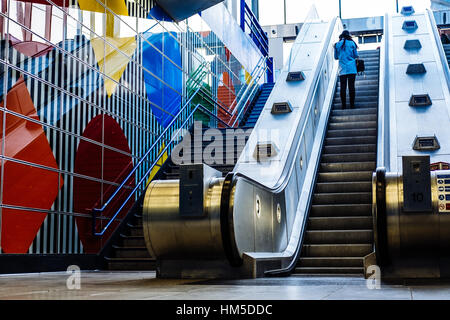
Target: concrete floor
{"points": [[144, 285]]}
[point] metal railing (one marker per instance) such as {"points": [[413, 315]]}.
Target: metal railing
{"points": [[97, 211], [383, 101], [257, 34], [250, 92]]}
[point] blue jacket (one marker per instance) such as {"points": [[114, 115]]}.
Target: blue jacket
{"points": [[346, 56]]}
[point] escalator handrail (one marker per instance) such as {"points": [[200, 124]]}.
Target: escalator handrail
{"points": [[284, 179], [383, 148], [442, 55]]}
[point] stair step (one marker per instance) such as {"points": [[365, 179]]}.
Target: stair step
{"points": [[340, 223], [350, 176], [130, 252], [351, 140], [341, 210], [353, 118], [359, 99], [348, 197], [312, 262], [337, 105], [336, 250], [360, 186], [347, 166], [330, 270], [352, 132], [361, 82], [361, 91], [367, 86], [352, 125], [338, 236], [131, 264], [132, 241], [135, 230], [356, 148], [349, 157]]}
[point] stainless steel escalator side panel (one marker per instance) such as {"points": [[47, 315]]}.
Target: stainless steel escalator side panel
{"points": [[285, 181], [168, 236], [417, 242], [405, 123]]}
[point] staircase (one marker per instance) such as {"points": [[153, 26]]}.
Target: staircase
{"points": [[128, 251], [339, 230], [257, 106], [447, 52], [172, 171]]}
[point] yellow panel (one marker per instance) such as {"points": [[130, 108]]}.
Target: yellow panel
{"points": [[158, 165], [117, 6], [113, 63], [248, 77]]}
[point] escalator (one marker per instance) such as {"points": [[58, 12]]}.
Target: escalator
{"points": [[339, 230]]}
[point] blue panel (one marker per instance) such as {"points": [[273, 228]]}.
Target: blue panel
{"points": [[162, 94], [157, 13]]}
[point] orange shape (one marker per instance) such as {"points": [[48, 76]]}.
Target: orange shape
{"points": [[25, 185]]}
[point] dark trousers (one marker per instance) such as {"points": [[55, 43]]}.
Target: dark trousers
{"points": [[350, 78]]}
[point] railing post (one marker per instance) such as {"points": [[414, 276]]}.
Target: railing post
{"points": [[242, 15], [269, 71]]}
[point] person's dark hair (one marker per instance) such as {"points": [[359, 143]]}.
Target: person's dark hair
{"points": [[346, 36]]}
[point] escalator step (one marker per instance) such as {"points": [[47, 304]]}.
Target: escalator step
{"points": [[330, 270], [337, 250], [360, 186], [353, 118], [340, 223], [351, 140], [351, 176], [341, 210], [338, 236], [356, 148], [309, 262], [353, 125], [348, 166], [352, 132], [342, 198], [349, 157]]}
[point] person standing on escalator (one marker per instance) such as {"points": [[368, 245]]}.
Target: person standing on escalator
{"points": [[346, 52]]}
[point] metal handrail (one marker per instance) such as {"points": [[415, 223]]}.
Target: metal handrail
{"points": [[442, 55], [250, 96], [383, 101], [120, 187], [260, 35], [244, 87], [254, 74], [144, 176]]}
